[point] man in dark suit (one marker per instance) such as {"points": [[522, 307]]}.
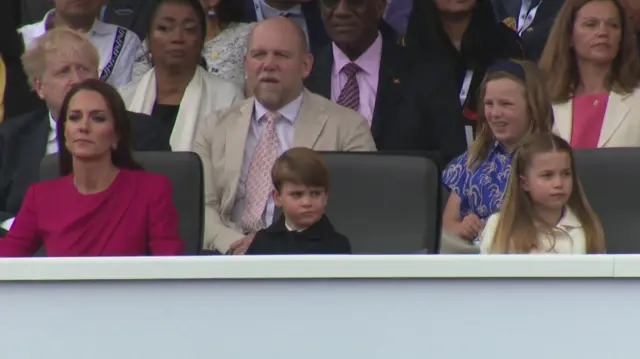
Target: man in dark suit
{"points": [[131, 14], [366, 70], [532, 19], [17, 98], [68, 58], [305, 13]]}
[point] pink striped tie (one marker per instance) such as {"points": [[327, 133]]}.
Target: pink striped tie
{"points": [[350, 94], [259, 183]]}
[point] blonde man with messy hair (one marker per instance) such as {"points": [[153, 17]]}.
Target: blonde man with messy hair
{"points": [[54, 63], [58, 60]]}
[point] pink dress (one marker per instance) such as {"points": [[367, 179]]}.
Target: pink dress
{"points": [[587, 119], [135, 216]]}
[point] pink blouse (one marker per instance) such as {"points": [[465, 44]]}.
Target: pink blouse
{"points": [[588, 116]]}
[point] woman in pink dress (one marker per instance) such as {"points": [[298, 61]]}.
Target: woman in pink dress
{"points": [[593, 72], [104, 204]]}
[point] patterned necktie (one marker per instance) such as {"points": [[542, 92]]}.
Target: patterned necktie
{"points": [[259, 180], [350, 94]]}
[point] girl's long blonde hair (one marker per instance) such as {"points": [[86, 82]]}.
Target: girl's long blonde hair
{"points": [[518, 228], [539, 109]]}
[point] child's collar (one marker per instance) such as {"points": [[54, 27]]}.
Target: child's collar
{"points": [[568, 220], [317, 231]]}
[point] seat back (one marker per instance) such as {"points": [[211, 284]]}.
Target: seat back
{"points": [[184, 169], [384, 203], [610, 179]]}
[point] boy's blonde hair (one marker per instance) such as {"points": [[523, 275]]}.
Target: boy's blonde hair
{"points": [[518, 226], [59, 41], [300, 165]]}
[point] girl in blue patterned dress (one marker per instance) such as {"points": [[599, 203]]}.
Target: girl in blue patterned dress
{"points": [[514, 103]]}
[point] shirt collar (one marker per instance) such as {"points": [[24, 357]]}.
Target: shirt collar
{"points": [[369, 61], [270, 12], [289, 111], [569, 220], [52, 124], [290, 228], [318, 231], [498, 148], [98, 27]]}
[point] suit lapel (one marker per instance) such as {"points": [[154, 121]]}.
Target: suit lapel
{"points": [[236, 139], [309, 123], [388, 82], [512, 8], [563, 117], [614, 115]]}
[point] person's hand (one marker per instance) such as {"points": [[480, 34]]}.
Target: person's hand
{"points": [[470, 227], [240, 246]]}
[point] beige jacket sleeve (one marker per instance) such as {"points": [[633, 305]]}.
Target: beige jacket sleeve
{"points": [[217, 235], [358, 138]]}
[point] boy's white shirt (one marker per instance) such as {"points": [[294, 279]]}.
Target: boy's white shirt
{"points": [[569, 236]]}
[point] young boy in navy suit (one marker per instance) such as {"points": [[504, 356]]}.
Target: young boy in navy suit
{"points": [[301, 183]]}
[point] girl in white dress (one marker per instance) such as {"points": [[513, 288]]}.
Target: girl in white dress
{"points": [[545, 209]]}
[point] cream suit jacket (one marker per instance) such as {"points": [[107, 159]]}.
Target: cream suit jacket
{"points": [[621, 125], [220, 141]]}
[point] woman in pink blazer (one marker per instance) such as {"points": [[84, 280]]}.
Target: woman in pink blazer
{"points": [[104, 204]]}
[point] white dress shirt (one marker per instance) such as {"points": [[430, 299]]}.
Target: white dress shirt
{"points": [[568, 236], [284, 130], [52, 141], [102, 36]]}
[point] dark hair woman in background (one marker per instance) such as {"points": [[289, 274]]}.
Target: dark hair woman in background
{"points": [[176, 91], [466, 35], [104, 204], [225, 40]]}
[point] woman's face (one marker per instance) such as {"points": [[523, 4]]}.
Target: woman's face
{"points": [[176, 36], [89, 126], [505, 109], [455, 6], [597, 31]]}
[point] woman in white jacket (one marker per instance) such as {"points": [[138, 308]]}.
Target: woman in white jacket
{"points": [[177, 91]]}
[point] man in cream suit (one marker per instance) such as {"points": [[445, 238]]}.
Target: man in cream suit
{"points": [[238, 146]]}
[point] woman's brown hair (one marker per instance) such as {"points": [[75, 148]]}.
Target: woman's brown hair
{"points": [[121, 156], [518, 227], [559, 62], [539, 109]]}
